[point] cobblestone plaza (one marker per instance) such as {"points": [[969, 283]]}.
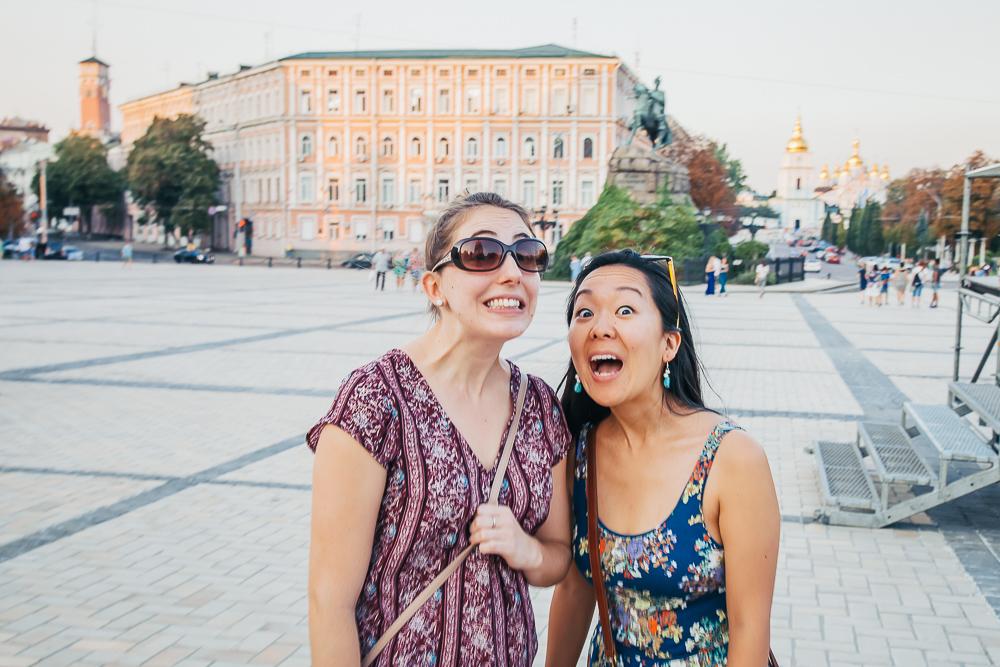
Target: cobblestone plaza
{"points": [[154, 483]]}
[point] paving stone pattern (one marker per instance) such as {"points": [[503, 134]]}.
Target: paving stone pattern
{"points": [[155, 490]]}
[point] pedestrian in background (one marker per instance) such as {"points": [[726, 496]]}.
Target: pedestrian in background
{"points": [[416, 265], [873, 286], [380, 263], [760, 277], [575, 266], [127, 254], [935, 271], [899, 280], [399, 266], [586, 260], [711, 270], [723, 275], [862, 280], [917, 284], [883, 291]]}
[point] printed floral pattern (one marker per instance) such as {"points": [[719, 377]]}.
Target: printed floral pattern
{"points": [[660, 619]]}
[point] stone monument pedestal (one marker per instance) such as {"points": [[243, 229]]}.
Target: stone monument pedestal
{"points": [[643, 172]]}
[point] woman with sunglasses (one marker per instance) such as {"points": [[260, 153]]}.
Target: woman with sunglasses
{"points": [[675, 530], [406, 460]]}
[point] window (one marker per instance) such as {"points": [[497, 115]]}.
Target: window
{"points": [[588, 101], [444, 101], [528, 193], [416, 101], [360, 101], [307, 187], [798, 183], [307, 225], [388, 148], [305, 145], [415, 148], [500, 101], [472, 148], [388, 227], [414, 192], [557, 147], [333, 189], [586, 193], [472, 184], [360, 191], [388, 101], [530, 101], [360, 147], [359, 72], [588, 148], [472, 100], [501, 148], [559, 102], [529, 148], [333, 146], [500, 187], [442, 190], [557, 192], [442, 148], [560, 71], [305, 102], [333, 100], [415, 72], [388, 190]]}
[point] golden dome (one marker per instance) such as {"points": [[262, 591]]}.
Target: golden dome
{"points": [[855, 159], [824, 173], [885, 172], [797, 144]]}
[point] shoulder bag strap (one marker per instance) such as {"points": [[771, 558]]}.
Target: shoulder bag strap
{"points": [[593, 539], [445, 574]]}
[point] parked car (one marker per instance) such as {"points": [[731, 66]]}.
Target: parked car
{"points": [[812, 266], [363, 260], [195, 256], [9, 249], [68, 252], [831, 258]]}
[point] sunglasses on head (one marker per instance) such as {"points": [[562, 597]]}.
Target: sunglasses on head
{"points": [[485, 253], [672, 276]]}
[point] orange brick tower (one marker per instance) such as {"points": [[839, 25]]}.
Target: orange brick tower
{"points": [[95, 111]]}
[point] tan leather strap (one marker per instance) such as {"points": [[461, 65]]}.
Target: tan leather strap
{"points": [[593, 539], [442, 577]]}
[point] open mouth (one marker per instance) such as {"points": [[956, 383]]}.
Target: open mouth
{"points": [[507, 305], [605, 366]]}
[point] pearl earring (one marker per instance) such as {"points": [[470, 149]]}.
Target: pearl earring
{"points": [[666, 376], [439, 303]]}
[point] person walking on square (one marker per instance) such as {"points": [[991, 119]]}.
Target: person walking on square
{"points": [[917, 284], [586, 260], [380, 263], [675, 516], [899, 281], [862, 280], [399, 268], [723, 275], [416, 265], [760, 277], [574, 268], [711, 271], [439, 479], [935, 271], [873, 287], [127, 255], [884, 278]]}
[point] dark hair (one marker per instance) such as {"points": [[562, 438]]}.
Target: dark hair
{"points": [[685, 368]]}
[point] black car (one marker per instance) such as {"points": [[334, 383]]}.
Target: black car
{"points": [[194, 257], [363, 260]]}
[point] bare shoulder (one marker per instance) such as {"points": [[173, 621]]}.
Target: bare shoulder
{"points": [[740, 457]]}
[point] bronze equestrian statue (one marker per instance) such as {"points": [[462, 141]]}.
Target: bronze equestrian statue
{"points": [[650, 115]]}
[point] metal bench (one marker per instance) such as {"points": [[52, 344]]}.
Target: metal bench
{"points": [[952, 436], [983, 399], [843, 478]]}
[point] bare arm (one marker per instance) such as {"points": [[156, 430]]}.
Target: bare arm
{"points": [[347, 490], [570, 617], [749, 524]]}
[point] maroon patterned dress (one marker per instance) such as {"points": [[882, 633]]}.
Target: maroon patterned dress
{"points": [[434, 483]]}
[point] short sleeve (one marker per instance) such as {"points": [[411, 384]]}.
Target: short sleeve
{"points": [[556, 431], [366, 410]]}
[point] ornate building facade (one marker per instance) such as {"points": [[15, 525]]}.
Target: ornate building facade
{"points": [[336, 152]]}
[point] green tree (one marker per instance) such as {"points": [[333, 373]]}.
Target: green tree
{"points": [[735, 176], [827, 231], [874, 240], [854, 235], [170, 170], [923, 232], [80, 176], [11, 209]]}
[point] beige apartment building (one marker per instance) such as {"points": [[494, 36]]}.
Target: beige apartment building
{"points": [[331, 153]]}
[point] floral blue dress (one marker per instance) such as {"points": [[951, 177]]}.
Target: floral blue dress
{"points": [[666, 587]]}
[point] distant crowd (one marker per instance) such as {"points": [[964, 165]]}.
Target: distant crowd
{"points": [[875, 283], [401, 264]]}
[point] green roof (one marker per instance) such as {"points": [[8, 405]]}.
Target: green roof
{"points": [[543, 51]]}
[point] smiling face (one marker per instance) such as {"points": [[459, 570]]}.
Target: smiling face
{"points": [[616, 337], [496, 304]]}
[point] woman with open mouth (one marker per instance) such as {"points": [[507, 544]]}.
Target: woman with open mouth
{"points": [[439, 483], [676, 522]]}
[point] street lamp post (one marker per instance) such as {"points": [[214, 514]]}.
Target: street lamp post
{"points": [[544, 224]]}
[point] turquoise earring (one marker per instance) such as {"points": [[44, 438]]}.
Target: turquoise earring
{"points": [[578, 387], [666, 376]]}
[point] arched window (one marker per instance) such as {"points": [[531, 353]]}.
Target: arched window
{"points": [[588, 148], [360, 146], [333, 147], [557, 148], [306, 145], [442, 147], [472, 148], [529, 148], [501, 148], [387, 147], [415, 147]]}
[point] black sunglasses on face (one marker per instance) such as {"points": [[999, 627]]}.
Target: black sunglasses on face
{"points": [[484, 253]]}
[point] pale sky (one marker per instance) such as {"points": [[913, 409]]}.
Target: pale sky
{"points": [[918, 82]]}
